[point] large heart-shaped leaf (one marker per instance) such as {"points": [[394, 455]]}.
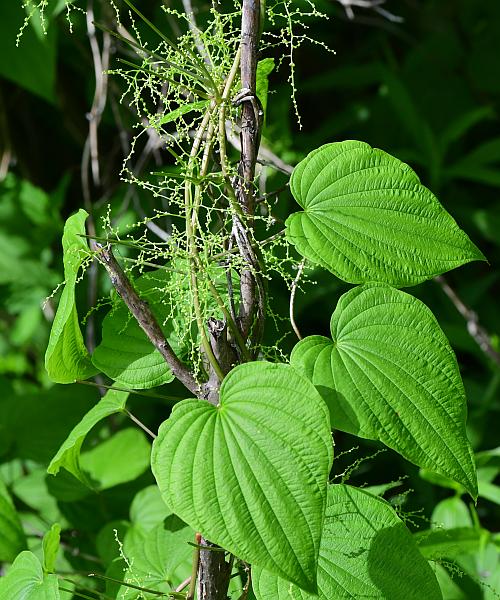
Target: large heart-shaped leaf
{"points": [[68, 455], [250, 474], [366, 552], [26, 580], [389, 374], [66, 358], [367, 217]]}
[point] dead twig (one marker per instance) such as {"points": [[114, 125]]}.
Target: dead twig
{"points": [[144, 317], [375, 5], [292, 298], [475, 329]]}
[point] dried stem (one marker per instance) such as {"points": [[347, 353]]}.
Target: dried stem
{"points": [[475, 329], [292, 299], [252, 311], [145, 318]]}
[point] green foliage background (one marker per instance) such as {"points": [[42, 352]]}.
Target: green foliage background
{"points": [[427, 90]]}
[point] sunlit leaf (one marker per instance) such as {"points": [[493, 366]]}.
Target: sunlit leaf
{"points": [[367, 217], [26, 580], [389, 374], [66, 358], [250, 474]]}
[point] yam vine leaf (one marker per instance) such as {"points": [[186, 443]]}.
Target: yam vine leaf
{"points": [[26, 579], [366, 552], [389, 374], [66, 358], [160, 559], [68, 455], [367, 218], [250, 474]]}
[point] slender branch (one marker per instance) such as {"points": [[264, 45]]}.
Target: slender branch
{"points": [[252, 311], [145, 318], [246, 589], [194, 568], [183, 585], [140, 424], [475, 329], [132, 392], [375, 5], [292, 299]]}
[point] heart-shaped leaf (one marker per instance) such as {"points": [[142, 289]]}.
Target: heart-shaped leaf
{"points": [[389, 374], [66, 358], [250, 474], [367, 217], [366, 552], [26, 579], [160, 559]]}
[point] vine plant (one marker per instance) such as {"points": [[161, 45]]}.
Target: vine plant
{"points": [[245, 461]]}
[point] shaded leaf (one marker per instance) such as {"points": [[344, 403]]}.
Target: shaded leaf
{"points": [[160, 560], [12, 539], [119, 459], [148, 509], [450, 543], [68, 455], [366, 552]]}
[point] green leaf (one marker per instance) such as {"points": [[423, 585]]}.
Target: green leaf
{"points": [[121, 458], [160, 560], [32, 490], [450, 543], [367, 217], [451, 513], [148, 509], [108, 541], [31, 65], [490, 491], [267, 447], [51, 547], [264, 68], [389, 374], [68, 455], [12, 539], [366, 552], [182, 110], [66, 358], [26, 580]]}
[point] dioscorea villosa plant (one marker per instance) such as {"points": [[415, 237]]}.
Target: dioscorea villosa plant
{"points": [[243, 464]]}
